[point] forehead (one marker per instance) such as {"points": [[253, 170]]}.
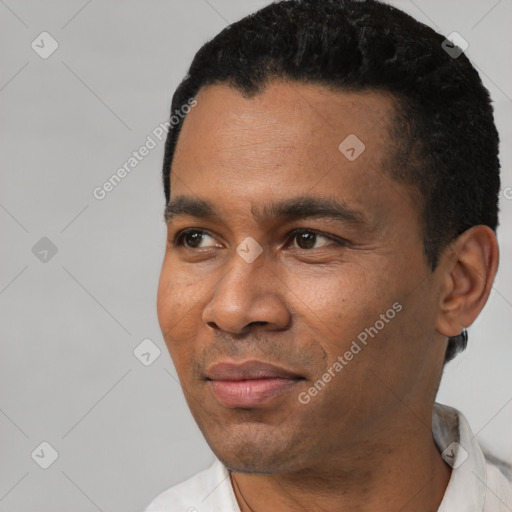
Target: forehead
{"points": [[283, 121], [288, 140], [285, 111]]}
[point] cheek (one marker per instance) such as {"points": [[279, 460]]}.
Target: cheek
{"points": [[177, 302], [166, 299], [340, 302]]}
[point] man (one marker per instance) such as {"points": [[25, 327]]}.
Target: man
{"points": [[331, 212]]}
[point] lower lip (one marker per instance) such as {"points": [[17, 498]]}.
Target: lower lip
{"points": [[250, 393]]}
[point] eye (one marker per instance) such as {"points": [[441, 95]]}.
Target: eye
{"points": [[307, 238], [192, 238]]}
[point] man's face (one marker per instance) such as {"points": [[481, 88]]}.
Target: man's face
{"points": [[351, 288]]}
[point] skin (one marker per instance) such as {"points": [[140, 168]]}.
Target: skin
{"points": [[364, 442]]}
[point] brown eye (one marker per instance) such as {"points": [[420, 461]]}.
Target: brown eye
{"points": [[192, 238], [307, 238]]}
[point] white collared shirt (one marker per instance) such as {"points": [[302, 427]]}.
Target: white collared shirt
{"points": [[476, 484]]}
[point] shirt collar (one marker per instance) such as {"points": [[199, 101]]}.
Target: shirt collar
{"points": [[459, 448]]}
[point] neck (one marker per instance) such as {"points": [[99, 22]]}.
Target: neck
{"points": [[404, 472]]}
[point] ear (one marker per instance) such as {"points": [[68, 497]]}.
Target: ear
{"points": [[468, 269]]}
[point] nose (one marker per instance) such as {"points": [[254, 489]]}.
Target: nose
{"points": [[248, 294]]}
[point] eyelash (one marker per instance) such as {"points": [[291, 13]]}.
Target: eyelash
{"points": [[179, 238]]}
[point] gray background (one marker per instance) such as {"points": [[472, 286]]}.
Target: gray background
{"points": [[70, 323]]}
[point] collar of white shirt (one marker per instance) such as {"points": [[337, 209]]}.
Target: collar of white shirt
{"points": [[476, 484]]}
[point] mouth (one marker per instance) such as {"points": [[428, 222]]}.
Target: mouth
{"points": [[249, 384]]}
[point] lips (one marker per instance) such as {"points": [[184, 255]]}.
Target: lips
{"points": [[249, 384]]}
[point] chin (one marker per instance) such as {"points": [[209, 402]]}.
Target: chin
{"points": [[256, 463], [256, 448]]}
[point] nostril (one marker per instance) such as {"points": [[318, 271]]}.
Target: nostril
{"points": [[257, 323]]}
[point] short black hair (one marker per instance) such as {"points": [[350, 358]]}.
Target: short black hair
{"points": [[445, 142]]}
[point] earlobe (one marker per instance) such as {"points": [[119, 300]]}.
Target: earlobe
{"points": [[469, 267]]}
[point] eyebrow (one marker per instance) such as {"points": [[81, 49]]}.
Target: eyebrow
{"points": [[297, 208]]}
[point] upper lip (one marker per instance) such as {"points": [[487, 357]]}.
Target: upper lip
{"points": [[248, 370]]}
